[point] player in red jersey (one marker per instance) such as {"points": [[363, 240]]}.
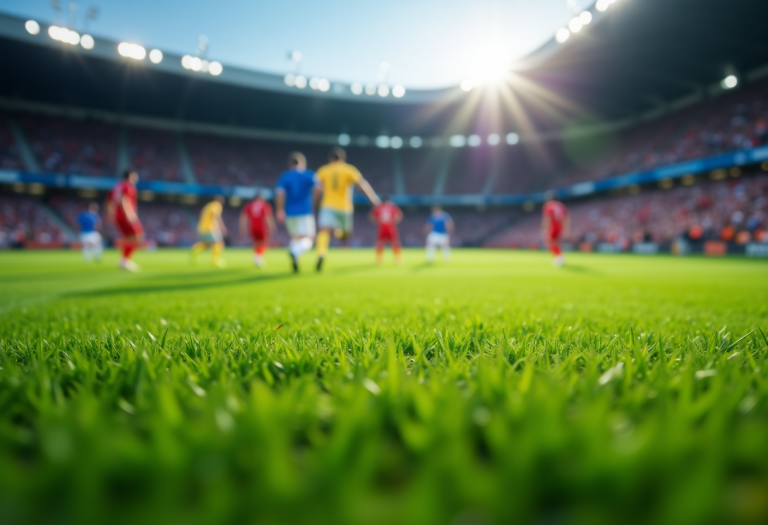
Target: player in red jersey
{"points": [[387, 215], [257, 218], [555, 224], [122, 211]]}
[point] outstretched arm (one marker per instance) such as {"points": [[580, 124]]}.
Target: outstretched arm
{"points": [[449, 226], [243, 223], [280, 205], [222, 226], [368, 190]]}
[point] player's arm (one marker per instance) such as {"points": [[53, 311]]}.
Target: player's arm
{"points": [[368, 190], [449, 226], [398, 215], [317, 194], [109, 210], [280, 205], [428, 227], [271, 222], [128, 210], [222, 226], [567, 226]]}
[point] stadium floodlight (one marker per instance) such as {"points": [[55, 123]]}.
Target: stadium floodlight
{"points": [[586, 17], [356, 88], [730, 82], [64, 35], [155, 56], [562, 35], [290, 80], [324, 85], [494, 139], [370, 89], [301, 81], [314, 83], [398, 91], [396, 143], [474, 141], [513, 138], [136, 52], [602, 5], [87, 42], [383, 90], [458, 141], [467, 84], [575, 25], [382, 141], [344, 139], [32, 27], [415, 142], [215, 68], [186, 62], [196, 64]]}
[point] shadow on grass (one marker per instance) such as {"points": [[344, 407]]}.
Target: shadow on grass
{"points": [[179, 287], [575, 268]]}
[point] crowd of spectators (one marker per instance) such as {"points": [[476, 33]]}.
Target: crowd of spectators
{"points": [[154, 154], [733, 211], [71, 146], [23, 221], [9, 153]]}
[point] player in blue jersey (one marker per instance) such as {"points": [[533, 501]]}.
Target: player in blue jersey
{"points": [[294, 195], [439, 228], [89, 222]]}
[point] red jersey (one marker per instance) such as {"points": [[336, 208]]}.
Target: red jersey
{"points": [[556, 212], [122, 189], [257, 212], [386, 214]]}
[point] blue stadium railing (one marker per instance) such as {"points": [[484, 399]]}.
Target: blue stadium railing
{"points": [[673, 171]]}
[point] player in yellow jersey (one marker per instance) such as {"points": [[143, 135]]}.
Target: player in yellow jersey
{"points": [[338, 180], [211, 231]]}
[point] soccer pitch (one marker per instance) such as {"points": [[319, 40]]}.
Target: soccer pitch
{"points": [[490, 389]]}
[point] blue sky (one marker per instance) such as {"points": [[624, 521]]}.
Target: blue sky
{"points": [[428, 43]]}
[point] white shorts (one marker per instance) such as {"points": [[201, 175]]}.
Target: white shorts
{"points": [[335, 219], [301, 225], [90, 238], [439, 239]]}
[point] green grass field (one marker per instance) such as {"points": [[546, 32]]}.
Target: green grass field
{"points": [[493, 389]]}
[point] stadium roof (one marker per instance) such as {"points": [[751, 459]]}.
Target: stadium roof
{"points": [[635, 58]]}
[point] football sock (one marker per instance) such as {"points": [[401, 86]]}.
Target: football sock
{"points": [[396, 249], [128, 249], [217, 249], [323, 240], [261, 248], [198, 247], [555, 249], [430, 253], [379, 252]]}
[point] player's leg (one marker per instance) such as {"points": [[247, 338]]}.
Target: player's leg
{"points": [[328, 222], [446, 247], [85, 247], [97, 247], [132, 234], [557, 251], [431, 245], [396, 248], [380, 249]]}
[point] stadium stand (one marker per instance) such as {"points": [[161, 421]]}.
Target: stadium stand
{"points": [[732, 211], [63, 145], [9, 153], [155, 154], [23, 222]]}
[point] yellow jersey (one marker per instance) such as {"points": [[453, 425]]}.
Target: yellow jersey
{"points": [[338, 179], [209, 217]]}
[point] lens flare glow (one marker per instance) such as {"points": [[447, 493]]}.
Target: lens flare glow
{"points": [[32, 27]]}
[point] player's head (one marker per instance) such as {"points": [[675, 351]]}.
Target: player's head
{"points": [[550, 195], [261, 195], [131, 175], [337, 155], [386, 197], [437, 208], [219, 199], [297, 160], [93, 207]]}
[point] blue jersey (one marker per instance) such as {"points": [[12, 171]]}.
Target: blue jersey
{"points": [[298, 187], [439, 222], [88, 220]]}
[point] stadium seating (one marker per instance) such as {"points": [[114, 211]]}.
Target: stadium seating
{"points": [[9, 153], [734, 211], [23, 221], [63, 145]]}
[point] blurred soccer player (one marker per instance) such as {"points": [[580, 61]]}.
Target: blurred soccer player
{"points": [[338, 180], [387, 215], [555, 223], [293, 200], [90, 238], [439, 227], [122, 210], [211, 231], [257, 218]]}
